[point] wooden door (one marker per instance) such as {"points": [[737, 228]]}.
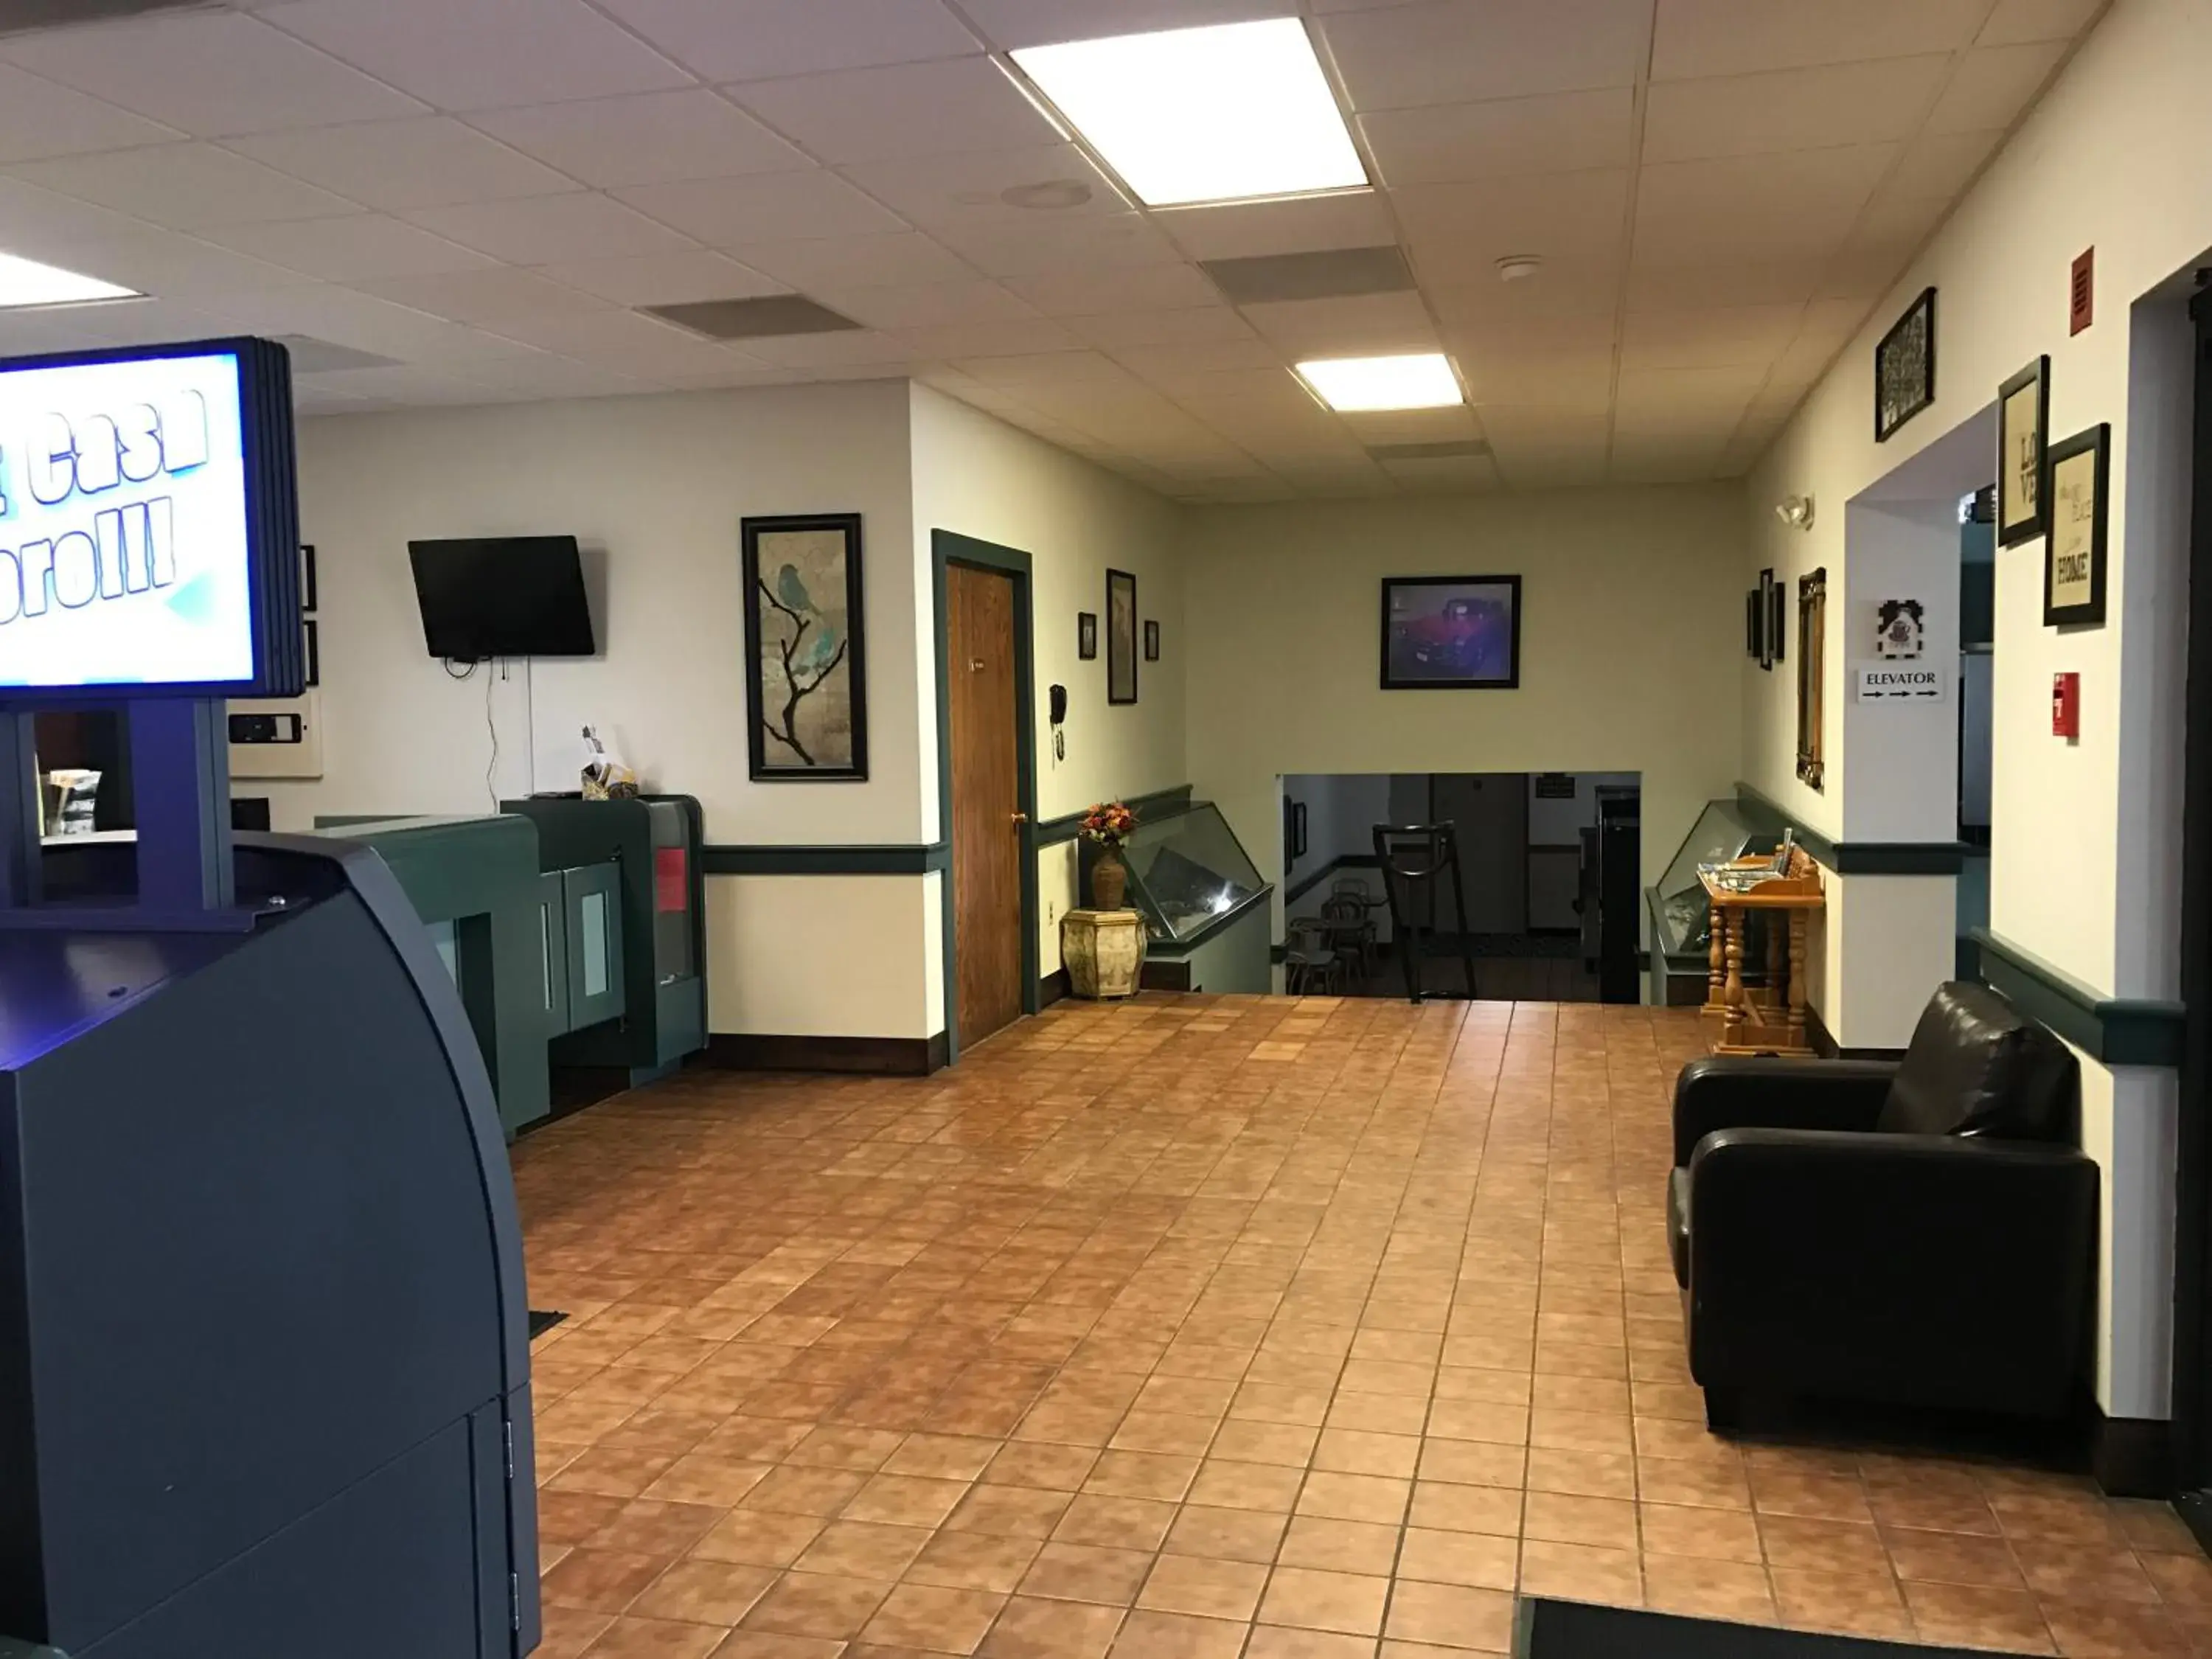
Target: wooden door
{"points": [[987, 803]]}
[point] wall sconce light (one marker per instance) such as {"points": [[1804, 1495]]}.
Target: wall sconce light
{"points": [[1796, 510]]}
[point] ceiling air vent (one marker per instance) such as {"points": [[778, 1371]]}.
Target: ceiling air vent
{"points": [[21, 16], [1336, 274], [753, 320], [313, 356], [1463, 448]]}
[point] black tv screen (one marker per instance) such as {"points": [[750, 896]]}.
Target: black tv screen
{"points": [[504, 596]]}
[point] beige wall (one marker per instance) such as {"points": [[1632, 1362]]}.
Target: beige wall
{"points": [[979, 477], [1631, 628], [2085, 836]]}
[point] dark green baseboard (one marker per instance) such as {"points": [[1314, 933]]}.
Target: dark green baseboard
{"points": [[863, 1056], [2132, 1457]]}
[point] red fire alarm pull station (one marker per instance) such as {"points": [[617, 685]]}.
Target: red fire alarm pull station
{"points": [[2066, 706]]}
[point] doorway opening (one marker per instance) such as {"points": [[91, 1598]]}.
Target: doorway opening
{"points": [[986, 786], [1543, 865]]}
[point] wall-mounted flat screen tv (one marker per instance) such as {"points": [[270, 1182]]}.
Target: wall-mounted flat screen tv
{"points": [[503, 596], [149, 525]]}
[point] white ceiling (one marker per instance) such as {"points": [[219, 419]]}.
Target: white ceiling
{"points": [[480, 192]]}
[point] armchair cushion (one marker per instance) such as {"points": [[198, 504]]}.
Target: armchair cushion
{"points": [[1746, 1091], [1977, 1067]]}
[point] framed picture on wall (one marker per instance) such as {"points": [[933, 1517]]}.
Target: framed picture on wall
{"points": [[1086, 635], [1754, 625], [1451, 632], [1905, 368], [311, 652], [2074, 556], [1121, 637], [1812, 698], [308, 577], [1151, 642], [1778, 616], [805, 654], [2023, 421]]}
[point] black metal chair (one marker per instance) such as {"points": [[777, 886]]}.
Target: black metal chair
{"points": [[1414, 858]]}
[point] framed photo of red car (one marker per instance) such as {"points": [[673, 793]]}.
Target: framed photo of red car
{"points": [[1451, 632]]}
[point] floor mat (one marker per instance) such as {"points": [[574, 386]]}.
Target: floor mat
{"points": [[1575, 1629], [542, 1323]]}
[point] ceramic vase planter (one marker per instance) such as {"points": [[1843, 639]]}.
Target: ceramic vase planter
{"points": [[1103, 951]]}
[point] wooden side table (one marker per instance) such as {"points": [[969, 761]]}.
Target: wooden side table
{"points": [[1104, 953], [1769, 1020]]}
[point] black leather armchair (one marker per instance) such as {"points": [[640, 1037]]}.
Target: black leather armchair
{"points": [[1920, 1234]]}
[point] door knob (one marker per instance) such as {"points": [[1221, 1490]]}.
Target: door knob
{"points": [[1021, 817]]}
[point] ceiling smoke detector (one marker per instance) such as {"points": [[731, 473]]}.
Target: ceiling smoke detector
{"points": [[1052, 194], [1519, 267]]}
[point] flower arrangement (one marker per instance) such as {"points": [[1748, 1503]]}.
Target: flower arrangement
{"points": [[1109, 823]]}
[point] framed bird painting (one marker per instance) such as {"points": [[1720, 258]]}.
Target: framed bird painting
{"points": [[806, 656]]}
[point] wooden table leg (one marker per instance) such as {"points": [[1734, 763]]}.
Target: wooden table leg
{"points": [[1775, 965], [1715, 970], [1799, 920], [1732, 992]]}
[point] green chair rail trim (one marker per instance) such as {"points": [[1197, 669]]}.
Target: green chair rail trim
{"points": [[1304, 884], [2116, 1030], [917, 860], [1052, 831], [1855, 857]]}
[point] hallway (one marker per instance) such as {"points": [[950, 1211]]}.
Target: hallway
{"points": [[1208, 1326]]}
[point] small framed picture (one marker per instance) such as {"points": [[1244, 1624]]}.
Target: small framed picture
{"points": [[2074, 556], [1451, 632], [1754, 625], [1086, 635], [1905, 368], [1151, 642], [308, 577], [2023, 419], [1778, 613], [1121, 637], [312, 652]]}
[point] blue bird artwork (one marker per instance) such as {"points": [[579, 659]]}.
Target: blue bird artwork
{"points": [[806, 708]]}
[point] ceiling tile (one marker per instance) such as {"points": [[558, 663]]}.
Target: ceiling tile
{"points": [[207, 73], [1754, 207], [484, 296], [1311, 224], [1559, 132], [544, 230], [39, 118], [1722, 337], [768, 207], [1558, 217], [862, 348], [891, 260], [928, 305], [1168, 365], [346, 316], [760, 40], [435, 161], [1202, 325], [1692, 282], [646, 138], [909, 109], [1790, 109], [1016, 336], [1739, 37], [185, 186], [1369, 323], [482, 54], [665, 279], [1147, 287], [1452, 52], [349, 249], [966, 186], [171, 264], [1994, 86], [1462, 291], [1012, 23], [624, 341], [1568, 380], [1662, 400], [1042, 242], [1943, 163], [2015, 21]]}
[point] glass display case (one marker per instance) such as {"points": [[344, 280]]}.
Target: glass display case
{"points": [[1681, 919], [1188, 871]]}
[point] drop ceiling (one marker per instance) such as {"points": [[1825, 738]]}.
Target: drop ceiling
{"points": [[483, 201]]}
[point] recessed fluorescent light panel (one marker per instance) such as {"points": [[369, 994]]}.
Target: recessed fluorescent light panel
{"points": [[28, 282], [1351, 385], [1229, 113]]}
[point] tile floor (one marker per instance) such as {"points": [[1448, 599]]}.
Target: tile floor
{"points": [[1200, 1328]]}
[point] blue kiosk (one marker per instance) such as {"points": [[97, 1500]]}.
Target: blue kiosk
{"points": [[264, 1375]]}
